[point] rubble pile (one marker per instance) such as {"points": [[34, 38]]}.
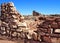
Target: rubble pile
{"points": [[12, 25], [11, 22], [48, 26]]}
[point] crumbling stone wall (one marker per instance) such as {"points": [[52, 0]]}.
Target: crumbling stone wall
{"points": [[48, 27], [12, 25], [11, 22]]}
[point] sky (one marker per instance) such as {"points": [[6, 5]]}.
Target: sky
{"points": [[26, 7]]}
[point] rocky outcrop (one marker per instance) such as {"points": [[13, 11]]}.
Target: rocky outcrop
{"points": [[36, 13]]}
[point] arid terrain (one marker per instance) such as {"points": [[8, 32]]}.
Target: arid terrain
{"points": [[35, 28]]}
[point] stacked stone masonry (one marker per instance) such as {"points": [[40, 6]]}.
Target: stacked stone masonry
{"points": [[12, 25]]}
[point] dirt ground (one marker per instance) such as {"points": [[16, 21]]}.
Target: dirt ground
{"points": [[9, 41], [54, 40], [6, 41]]}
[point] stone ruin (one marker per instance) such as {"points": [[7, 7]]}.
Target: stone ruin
{"points": [[11, 21], [48, 27], [12, 25]]}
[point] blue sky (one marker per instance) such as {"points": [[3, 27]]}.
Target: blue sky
{"points": [[26, 7]]}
